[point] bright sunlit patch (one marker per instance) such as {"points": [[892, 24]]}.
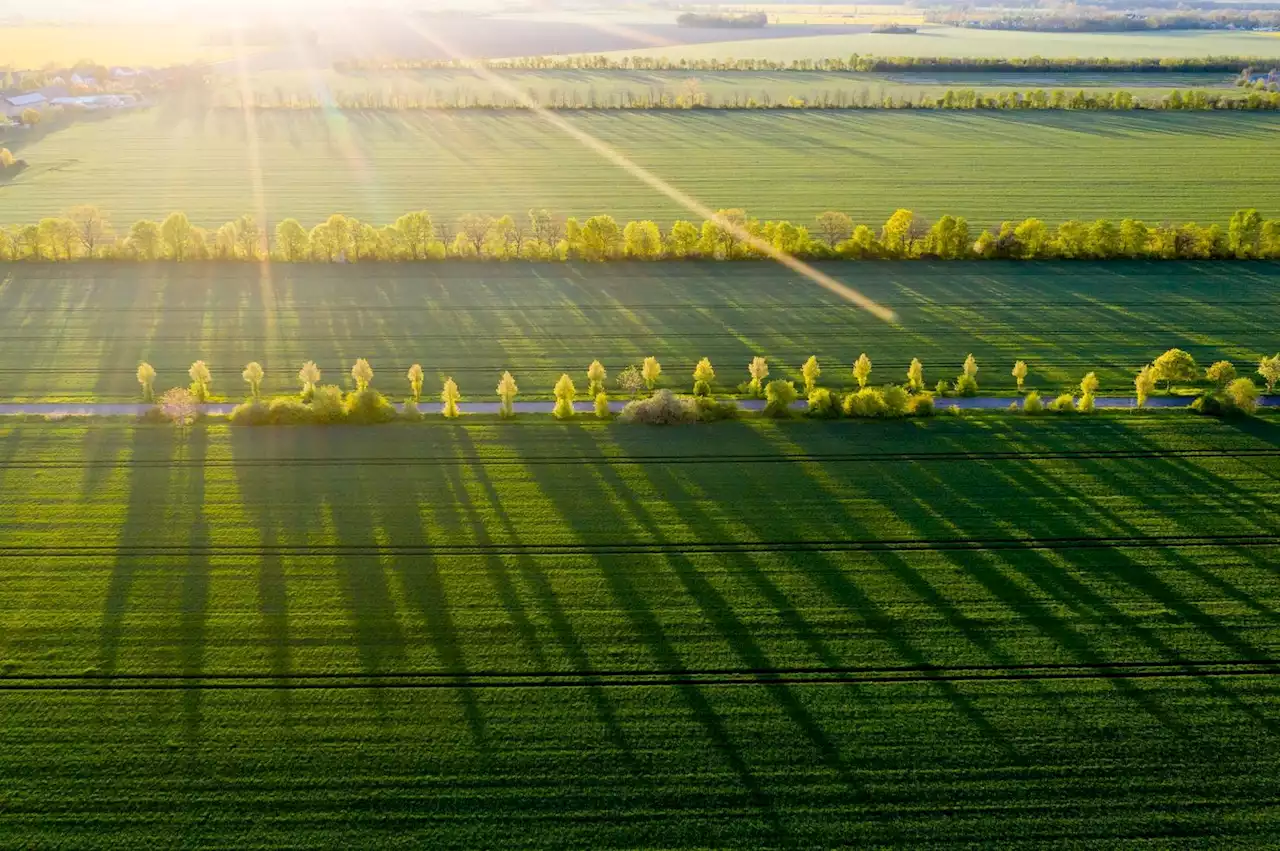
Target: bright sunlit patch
{"points": [[653, 181]]}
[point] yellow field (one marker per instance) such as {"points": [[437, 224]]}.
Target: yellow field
{"points": [[155, 45]]}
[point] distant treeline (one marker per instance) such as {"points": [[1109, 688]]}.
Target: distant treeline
{"points": [[853, 63], [749, 21], [1097, 20], [1193, 100], [86, 233]]}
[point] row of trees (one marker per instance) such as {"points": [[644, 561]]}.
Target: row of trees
{"points": [[861, 63], [87, 233], [693, 97], [1175, 366]]}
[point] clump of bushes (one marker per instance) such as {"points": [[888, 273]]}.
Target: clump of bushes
{"points": [[780, 395], [328, 406], [1032, 404], [662, 408], [823, 404], [1238, 398], [1065, 403]]}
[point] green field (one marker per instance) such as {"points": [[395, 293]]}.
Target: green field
{"points": [[954, 41], [375, 166], [446, 88], [77, 333], [582, 634]]}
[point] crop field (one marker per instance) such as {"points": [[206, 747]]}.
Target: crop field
{"points": [[955, 41], [77, 333], [216, 165], [443, 88], [977, 630], [132, 43]]}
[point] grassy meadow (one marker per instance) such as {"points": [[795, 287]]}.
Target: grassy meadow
{"points": [[975, 629], [216, 165], [77, 333]]}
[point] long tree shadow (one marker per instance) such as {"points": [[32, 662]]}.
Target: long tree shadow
{"points": [[645, 625], [533, 577], [195, 582], [148, 497], [403, 492], [264, 493]]}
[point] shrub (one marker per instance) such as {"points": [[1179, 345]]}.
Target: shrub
{"points": [[709, 410], [289, 412], [1243, 395], [1087, 404], [602, 405], [1064, 403], [367, 407], [1031, 404], [1221, 373], [662, 408], [966, 385], [780, 395], [823, 404], [921, 405], [411, 412], [327, 405], [955, 411], [565, 393], [896, 401], [867, 402], [253, 413], [942, 389]]}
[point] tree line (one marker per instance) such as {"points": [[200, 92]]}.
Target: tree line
{"points": [[692, 96], [86, 233], [316, 403], [1093, 20], [862, 63]]}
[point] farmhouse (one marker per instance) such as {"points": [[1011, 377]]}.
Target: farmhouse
{"points": [[13, 105]]}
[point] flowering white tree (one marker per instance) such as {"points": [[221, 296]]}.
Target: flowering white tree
{"points": [[201, 379], [363, 374], [253, 375], [309, 375], [1269, 369], [759, 371], [179, 406]]}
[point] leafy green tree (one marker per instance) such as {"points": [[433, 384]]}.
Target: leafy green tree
{"points": [[1244, 232], [1145, 384], [721, 234], [862, 370], [779, 396], [250, 240], [1033, 237], [1104, 239], [601, 238], [565, 393], [363, 374], [415, 377], [309, 375], [292, 240], [147, 377], [1174, 365], [651, 371], [253, 376], [915, 376], [417, 232], [948, 239], [1020, 373], [1269, 369], [1088, 393], [682, 240], [175, 231], [1134, 238], [1221, 373], [703, 375], [810, 371], [29, 117], [144, 239], [759, 371], [450, 396], [897, 237], [201, 380], [642, 240], [596, 376]]}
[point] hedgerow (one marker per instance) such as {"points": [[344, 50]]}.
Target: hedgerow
{"points": [[730, 235]]}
